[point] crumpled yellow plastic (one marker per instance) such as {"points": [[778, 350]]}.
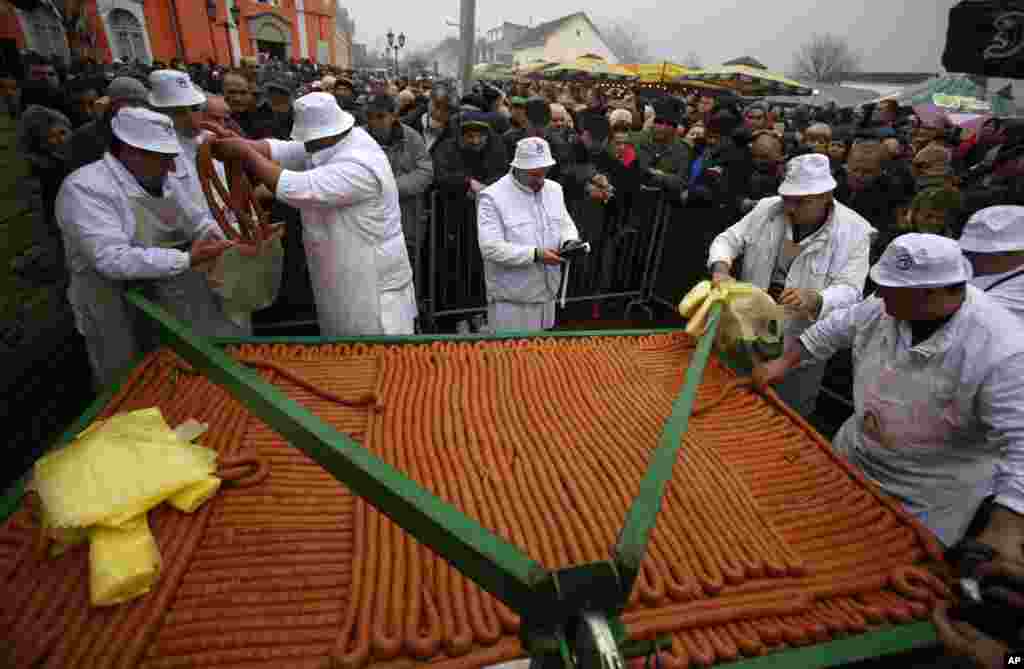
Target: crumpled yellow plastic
{"points": [[118, 470], [750, 324], [124, 562], [191, 498]]}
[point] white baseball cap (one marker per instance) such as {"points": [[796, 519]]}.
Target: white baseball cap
{"points": [[917, 260], [532, 153], [994, 230], [317, 115], [147, 130], [808, 175], [172, 88]]}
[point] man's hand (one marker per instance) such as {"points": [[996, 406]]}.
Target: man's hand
{"points": [[251, 249], [720, 273], [601, 181], [769, 373], [101, 107], [230, 149], [802, 299], [475, 186], [263, 195], [1005, 533], [219, 131], [964, 640], [206, 250], [550, 257]]}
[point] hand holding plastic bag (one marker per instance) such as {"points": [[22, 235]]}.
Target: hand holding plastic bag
{"points": [[750, 329]]}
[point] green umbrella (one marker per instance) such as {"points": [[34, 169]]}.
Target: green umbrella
{"points": [[954, 93]]}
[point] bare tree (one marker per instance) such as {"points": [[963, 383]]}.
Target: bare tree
{"points": [[627, 42], [692, 61], [824, 59]]}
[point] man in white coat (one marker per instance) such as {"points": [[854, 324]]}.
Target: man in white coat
{"points": [[993, 240], [191, 296], [807, 251], [124, 218], [339, 178], [938, 417], [523, 222]]}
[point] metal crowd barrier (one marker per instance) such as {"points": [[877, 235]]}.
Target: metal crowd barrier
{"points": [[625, 237]]}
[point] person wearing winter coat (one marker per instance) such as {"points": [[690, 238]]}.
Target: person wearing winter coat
{"points": [[523, 224], [411, 164], [473, 160]]}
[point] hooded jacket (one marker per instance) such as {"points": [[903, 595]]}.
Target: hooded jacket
{"points": [[455, 164]]}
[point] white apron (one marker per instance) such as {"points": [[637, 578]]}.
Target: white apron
{"points": [[188, 296], [909, 423]]}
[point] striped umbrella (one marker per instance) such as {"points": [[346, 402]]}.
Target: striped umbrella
{"points": [[745, 80]]}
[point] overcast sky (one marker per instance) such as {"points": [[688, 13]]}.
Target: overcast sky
{"points": [[890, 35]]}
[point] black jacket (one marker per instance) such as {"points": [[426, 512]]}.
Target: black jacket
{"points": [[455, 165]]}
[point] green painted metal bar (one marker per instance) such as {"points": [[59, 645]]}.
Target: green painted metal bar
{"points": [[887, 641], [497, 566], [643, 512], [11, 499], [426, 339]]}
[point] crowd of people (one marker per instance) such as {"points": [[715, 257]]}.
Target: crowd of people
{"points": [[887, 230]]}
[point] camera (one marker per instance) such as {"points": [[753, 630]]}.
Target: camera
{"points": [[573, 249]]}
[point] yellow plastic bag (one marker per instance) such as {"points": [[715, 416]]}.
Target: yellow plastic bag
{"points": [[118, 470], [191, 498], [750, 327], [124, 562]]}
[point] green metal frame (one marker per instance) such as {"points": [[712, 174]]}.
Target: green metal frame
{"points": [[547, 601]]}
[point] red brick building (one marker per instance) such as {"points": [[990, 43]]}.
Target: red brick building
{"points": [[193, 30]]}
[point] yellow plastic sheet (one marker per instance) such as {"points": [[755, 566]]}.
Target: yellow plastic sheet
{"points": [[751, 323], [191, 498], [124, 562], [117, 470]]}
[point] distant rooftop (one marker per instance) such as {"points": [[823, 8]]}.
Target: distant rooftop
{"points": [[905, 78]]}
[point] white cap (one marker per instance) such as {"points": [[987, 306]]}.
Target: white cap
{"points": [[172, 88], [917, 260], [147, 130], [532, 153], [994, 230], [317, 115], [808, 175]]}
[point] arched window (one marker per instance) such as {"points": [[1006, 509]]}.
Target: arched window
{"points": [[128, 41]]}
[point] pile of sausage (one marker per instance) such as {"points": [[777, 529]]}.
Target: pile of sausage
{"points": [[765, 539]]}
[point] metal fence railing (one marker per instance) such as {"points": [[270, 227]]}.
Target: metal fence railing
{"points": [[625, 238]]}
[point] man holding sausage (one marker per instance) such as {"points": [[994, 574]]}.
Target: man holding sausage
{"points": [[338, 177], [938, 391], [806, 250]]}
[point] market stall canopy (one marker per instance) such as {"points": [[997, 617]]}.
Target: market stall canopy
{"points": [[986, 37], [586, 67], [656, 73], [954, 93], [493, 72], [842, 96], [746, 61], [747, 80]]}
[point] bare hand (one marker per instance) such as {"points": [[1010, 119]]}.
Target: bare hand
{"points": [[475, 186], [218, 130], [718, 278], [549, 257], [963, 639], [230, 149], [254, 248], [206, 250], [101, 106], [802, 299], [600, 181], [769, 373]]}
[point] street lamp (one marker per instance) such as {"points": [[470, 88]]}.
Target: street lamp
{"points": [[393, 48]]}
